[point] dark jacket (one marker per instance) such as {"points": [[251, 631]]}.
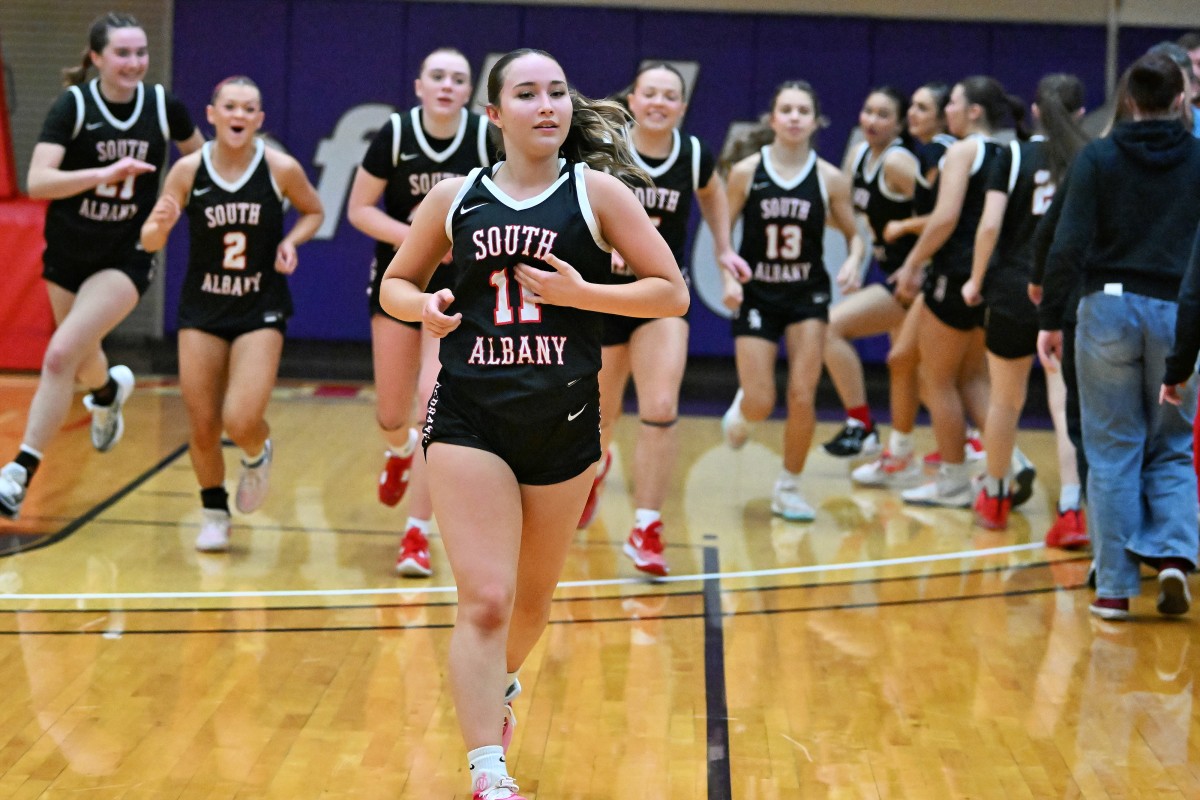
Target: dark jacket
{"points": [[1129, 218], [1182, 360]]}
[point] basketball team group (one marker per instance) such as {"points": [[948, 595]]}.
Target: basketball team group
{"points": [[530, 262]]}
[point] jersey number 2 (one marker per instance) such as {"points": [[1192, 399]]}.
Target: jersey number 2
{"points": [[235, 250], [503, 314]]}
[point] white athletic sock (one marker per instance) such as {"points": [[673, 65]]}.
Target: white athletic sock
{"points": [[900, 444], [645, 517], [1068, 497], [410, 445], [513, 686], [420, 524], [487, 760]]}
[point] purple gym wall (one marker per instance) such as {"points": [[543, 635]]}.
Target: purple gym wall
{"points": [[316, 60]]}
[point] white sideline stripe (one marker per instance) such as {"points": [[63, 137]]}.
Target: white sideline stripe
{"points": [[757, 573]]}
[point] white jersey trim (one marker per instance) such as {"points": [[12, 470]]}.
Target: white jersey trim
{"points": [[160, 96], [397, 124], [882, 177], [585, 206], [481, 142], [94, 86], [1015, 168], [808, 167], [78, 94], [661, 169], [695, 163], [529, 202], [232, 186], [423, 143], [472, 176], [980, 151]]}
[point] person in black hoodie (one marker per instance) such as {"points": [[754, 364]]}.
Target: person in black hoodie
{"points": [[1128, 223]]}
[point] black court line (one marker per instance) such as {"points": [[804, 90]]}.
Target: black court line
{"points": [[720, 785], [100, 508], [761, 612]]}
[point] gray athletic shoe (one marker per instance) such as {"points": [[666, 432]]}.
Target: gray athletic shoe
{"points": [[108, 424]]}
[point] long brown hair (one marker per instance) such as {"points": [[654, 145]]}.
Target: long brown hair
{"points": [[97, 41], [597, 133]]}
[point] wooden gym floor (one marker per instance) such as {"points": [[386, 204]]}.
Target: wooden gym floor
{"points": [[879, 652]]}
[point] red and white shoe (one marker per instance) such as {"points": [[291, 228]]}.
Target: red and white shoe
{"points": [[973, 450], [645, 547], [393, 480], [1069, 531], [593, 500], [413, 559], [992, 512]]}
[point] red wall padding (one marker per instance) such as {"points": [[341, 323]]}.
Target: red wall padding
{"points": [[26, 321], [8, 167]]}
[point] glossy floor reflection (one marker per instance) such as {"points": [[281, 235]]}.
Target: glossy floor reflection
{"points": [[880, 651]]}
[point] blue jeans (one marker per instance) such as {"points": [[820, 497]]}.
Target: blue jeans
{"points": [[1141, 482]]}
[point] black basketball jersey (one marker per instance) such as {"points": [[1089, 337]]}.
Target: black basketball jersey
{"points": [[508, 350], [929, 157], [880, 206], [416, 167], [954, 257], [103, 224], [1021, 171], [669, 201], [235, 229], [783, 229]]}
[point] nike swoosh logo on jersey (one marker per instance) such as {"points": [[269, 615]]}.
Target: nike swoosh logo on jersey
{"points": [[468, 209], [572, 383], [91, 126], [761, 185], [408, 156], [571, 417], [198, 192]]}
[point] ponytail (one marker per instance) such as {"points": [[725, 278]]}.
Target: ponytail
{"points": [[1059, 99], [97, 41], [989, 94]]}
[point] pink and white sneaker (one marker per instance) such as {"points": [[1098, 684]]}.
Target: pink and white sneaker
{"points": [[501, 788]]}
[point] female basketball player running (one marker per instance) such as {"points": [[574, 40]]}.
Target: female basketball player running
{"points": [[949, 333], [883, 173], [96, 160], [897, 464], [515, 415], [655, 350], [437, 139], [235, 301], [785, 196], [1021, 188]]}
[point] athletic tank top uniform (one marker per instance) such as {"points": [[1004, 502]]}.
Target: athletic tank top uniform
{"points": [[412, 163], [669, 202], [874, 200], [102, 225], [783, 227], [518, 359], [954, 257], [929, 156], [235, 227], [1022, 172]]}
